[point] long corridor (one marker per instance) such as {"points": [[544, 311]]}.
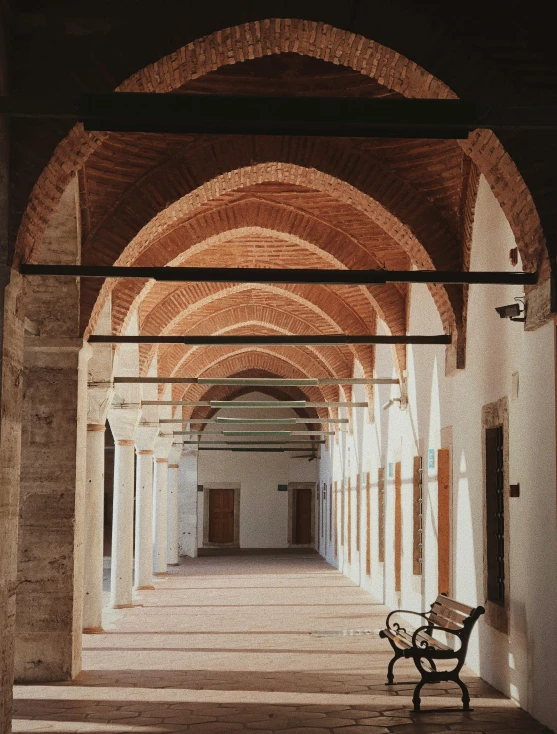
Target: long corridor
{"points": [[253, 644]]}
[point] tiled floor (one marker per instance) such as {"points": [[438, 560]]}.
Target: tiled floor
{"points": [[225, 644]]}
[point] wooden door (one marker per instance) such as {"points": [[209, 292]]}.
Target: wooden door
{"points": [[221, 516], [302, 516], [398, 526], [444, 521]]}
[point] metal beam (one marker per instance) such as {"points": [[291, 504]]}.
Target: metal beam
{"points": [[258, 450], [282, 276], [259, 404], [298, 445], [295, 340], [267, 115], [255, 381], [284, 434], [273, 421]]}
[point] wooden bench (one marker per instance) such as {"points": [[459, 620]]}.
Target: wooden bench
{"points": [[446, 615]]}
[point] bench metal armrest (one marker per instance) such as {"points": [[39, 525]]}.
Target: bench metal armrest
{"points": [[422, 645], [397, 626]]}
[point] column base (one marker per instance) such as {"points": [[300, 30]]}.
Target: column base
{"points": [[123, 606], [93, 631], [161, 573], [143, 588]]}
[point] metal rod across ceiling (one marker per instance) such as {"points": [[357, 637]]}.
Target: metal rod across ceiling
{"points": [[283, 276], [296, 444], [256, 381], [273, 421], [271, 404], [268, 115], [320, 340]]}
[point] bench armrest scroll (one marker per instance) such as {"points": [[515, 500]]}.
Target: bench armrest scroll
{"points": [[397, 626], [422, 645]]}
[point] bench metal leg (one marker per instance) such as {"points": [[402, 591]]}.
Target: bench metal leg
{"points": [[416, 700], [465, 694], [390, 669]]}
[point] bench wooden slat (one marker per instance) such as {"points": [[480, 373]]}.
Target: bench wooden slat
{"points": [[442, 621], [446, 601], [448, 613]]}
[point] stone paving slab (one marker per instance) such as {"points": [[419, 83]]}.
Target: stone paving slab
{"points": [[228, 644]]}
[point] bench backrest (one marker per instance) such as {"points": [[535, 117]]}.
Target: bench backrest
{"points": [[455, 616]]}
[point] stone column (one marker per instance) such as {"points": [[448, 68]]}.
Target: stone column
{"points": [[94, 531], [11, 356], [51, 521], [99, 396], [123, 422], [160, 512], [187, 503], [144, 446], [172, 508]]}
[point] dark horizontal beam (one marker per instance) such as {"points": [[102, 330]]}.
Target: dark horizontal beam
{"points": [[295, 445], [261, 451], [255, 381], [294, 276], [265, 115], [282, 340]]}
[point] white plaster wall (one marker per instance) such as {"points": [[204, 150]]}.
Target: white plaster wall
{"points": [[522, 663], [263, 509]]}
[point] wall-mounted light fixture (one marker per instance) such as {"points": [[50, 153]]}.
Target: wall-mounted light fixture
{"points": [[513, 311], [390, 402]]}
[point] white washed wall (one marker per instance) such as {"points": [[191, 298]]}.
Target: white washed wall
{"points": [[521, 664], [263, 509]]}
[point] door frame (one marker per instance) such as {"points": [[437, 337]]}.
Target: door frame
{"points": [[206, 504], [292, 487]]}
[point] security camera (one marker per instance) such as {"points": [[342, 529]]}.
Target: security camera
{"points": [[512, 312]]}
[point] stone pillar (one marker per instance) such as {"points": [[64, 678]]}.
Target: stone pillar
{"points": [[144, 446], [187, 502], [99, 396], [172, 508], [11, 368], [123, 422], [51, 519], [160, 512], [94, 530]]}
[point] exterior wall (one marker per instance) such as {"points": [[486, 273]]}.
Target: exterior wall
{"points": [[263, 509], [446, 411]]}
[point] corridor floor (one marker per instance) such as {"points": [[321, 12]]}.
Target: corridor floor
{"points": [[251, 644]]}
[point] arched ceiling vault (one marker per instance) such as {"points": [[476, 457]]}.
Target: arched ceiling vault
{"points": [[220, 392], [276, 202], [385, 67], [282, 361]]}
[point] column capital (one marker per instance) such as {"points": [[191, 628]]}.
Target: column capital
{"points": [[124, 442], [174, 453], [145, 438], [174, 466], [123, 422], [161, 461], [96, 427], [163, 444], [144, 452]]}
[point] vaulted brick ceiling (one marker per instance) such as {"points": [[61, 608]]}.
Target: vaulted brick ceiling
{"points": [[197, 201]]}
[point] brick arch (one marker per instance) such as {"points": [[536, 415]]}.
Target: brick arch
{"points": [[260, 362], [302, 362], [221, 392], [294, 309], [408, 238], [315, 39]]}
